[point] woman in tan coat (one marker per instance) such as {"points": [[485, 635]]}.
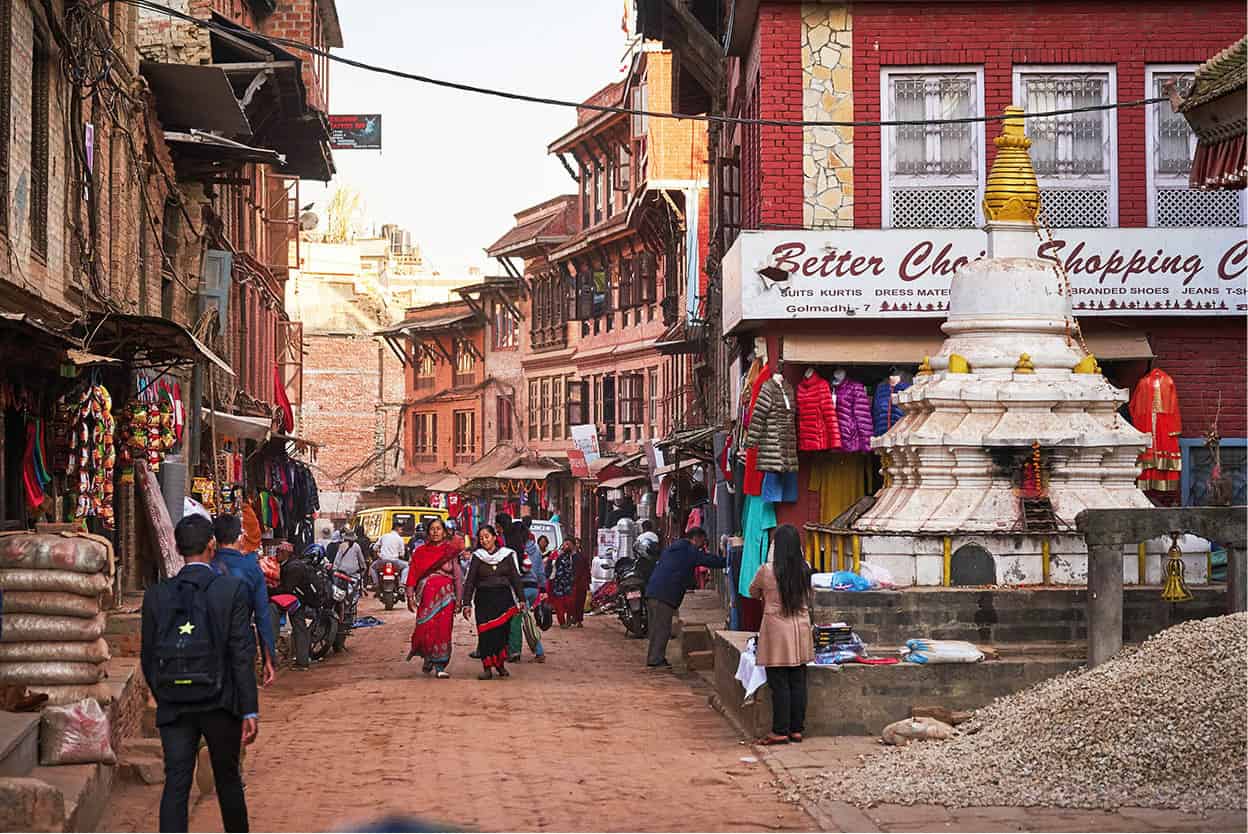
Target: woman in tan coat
{"points": [[785, 645]]}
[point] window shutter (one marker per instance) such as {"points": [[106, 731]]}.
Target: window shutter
{"points": [[646, 270], [214, 284], [584, 305]]}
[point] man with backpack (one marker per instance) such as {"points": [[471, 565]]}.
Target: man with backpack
{"points": [[198, 656]]}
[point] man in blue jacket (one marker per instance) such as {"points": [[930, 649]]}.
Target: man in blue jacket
{"points": [[666, 589], [231, 561]]}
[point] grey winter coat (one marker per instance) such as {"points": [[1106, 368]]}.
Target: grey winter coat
{"points": [[773, 428]]}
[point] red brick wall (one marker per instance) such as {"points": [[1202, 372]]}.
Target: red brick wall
{"points": [[773, 196], [1207, 358], [997, 36]]}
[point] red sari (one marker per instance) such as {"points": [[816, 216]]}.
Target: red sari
{"points": [[580, 586], [435, 578]]}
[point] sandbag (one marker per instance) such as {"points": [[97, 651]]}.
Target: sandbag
{"points": [[79, 651], [24, 628], [50, 602], [32, 673], [76, 733], [68, 693], [83, 584], [907, 730], [940, 651], [53, 551]]}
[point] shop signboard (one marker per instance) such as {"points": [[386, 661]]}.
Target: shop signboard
{"points": [[576, 461], [357, 132], [585, 438], [906, 273]]}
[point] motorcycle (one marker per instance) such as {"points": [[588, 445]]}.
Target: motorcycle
{"points": [[388, 589], [630, 603], [346, 591]]}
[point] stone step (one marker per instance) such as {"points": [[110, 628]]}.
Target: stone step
{"points": [[84, 790], [141, 769], [141, 746], [28, 804], [700, 660], [19, 743]]}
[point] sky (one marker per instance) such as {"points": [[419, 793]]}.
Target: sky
{"points": [[455, 167]]}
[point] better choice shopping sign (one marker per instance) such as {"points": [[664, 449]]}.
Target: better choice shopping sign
{"points": [[885, 273]]}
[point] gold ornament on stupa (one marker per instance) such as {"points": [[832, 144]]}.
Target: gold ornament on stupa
{"points": [[1012, 193]]}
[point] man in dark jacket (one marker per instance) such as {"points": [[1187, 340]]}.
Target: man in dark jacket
{"points": [[666, 589], [230, 559], [227, 720], [300, 580]]}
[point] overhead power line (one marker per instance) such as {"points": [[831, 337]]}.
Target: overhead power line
{"points": [[627, 111]]}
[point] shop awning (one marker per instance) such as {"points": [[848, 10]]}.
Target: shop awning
{"points": [[1215, 109], [909, 349], [193, 96], [29, 327], [489, 465], [197, 152], [238, 425], [530, 472], [447, 483], [673, 467], [148, 340], [622, 481]]}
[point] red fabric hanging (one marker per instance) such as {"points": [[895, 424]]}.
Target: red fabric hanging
{"points": [[283, 402]]}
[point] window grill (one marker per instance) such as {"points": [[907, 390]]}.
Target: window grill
{"points": [[1074, 208], [1187, 207], [927, 208], [1175, 142], [1072, 144], [933, 149]]}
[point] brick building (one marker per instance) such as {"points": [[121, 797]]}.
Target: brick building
{"points": [[869, 222], [618, 307]]}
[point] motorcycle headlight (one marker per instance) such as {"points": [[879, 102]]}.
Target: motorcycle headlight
{"points": [[339, 593]]}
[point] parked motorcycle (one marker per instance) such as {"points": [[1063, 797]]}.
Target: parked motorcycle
{"points": [[630, 605], [388, 589], [346, 591]]}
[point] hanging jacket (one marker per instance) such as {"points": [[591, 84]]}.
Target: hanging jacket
{"points": [[853, 416], [753, 481], [773, 428], [884, 411], [817, 427]]}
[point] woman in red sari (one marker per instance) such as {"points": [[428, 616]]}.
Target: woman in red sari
{"points": [[580, 583], [434, 583]]}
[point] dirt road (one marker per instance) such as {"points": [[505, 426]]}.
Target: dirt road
{"points": [[589, 741]]}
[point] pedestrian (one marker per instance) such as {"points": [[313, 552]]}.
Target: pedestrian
{"points": [[562, 583], [493, 586], [231, 561], [299, 590], [785, 645], [390, 548], [198, 656], [666, 589], [350, 558], [580, 582], [533, 578], [435, 584]]}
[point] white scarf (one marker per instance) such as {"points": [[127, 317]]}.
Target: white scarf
{"points": [[497, 556]]}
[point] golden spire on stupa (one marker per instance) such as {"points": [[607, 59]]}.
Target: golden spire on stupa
{"points": [[1012, 193]]}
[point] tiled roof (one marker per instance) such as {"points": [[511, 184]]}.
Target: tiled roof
{"points": [[1222, 74]]}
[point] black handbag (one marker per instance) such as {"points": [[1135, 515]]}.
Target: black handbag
{"points": [[544, 616]]}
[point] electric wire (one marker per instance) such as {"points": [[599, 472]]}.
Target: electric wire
{"points": [[613, 109]]}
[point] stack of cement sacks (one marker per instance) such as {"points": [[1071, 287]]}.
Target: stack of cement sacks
{"points": [[51, 622]]}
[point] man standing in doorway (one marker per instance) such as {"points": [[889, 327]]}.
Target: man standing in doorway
{"points": [[666, 589]]}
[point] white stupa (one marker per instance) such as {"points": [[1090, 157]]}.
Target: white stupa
{"points": [[1011, 429]]}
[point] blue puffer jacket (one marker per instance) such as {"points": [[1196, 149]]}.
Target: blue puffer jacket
{"points": [[674, 572], [884, 412]]}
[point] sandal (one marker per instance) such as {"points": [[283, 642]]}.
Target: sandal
{"points": [[796, 738], [442, 674], [772, 740]]}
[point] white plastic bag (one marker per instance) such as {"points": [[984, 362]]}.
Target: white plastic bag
{"points": [[878, 576], [821, 581], [941, 651], [77, 733]]}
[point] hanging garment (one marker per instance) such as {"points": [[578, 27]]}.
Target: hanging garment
{"points": [[283, 402], [753, 477], [1155, 409], [773, 427], [694, 520], [840, 481], [853, 415], [817, 426], [884, 411], [760, 517], [780, 487]]}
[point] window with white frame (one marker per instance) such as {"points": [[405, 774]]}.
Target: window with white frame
{"points": [[932, 170], [1074, 154], [1171, 147]]}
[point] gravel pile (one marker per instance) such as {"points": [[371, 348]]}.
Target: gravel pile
{"points": [[1159, 727]]}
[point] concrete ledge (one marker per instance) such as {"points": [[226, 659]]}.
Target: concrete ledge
{"points": [[19, 743], [85, 790], [862, 700]]}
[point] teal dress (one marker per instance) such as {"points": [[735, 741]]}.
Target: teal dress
{"points": [[759, 518]]}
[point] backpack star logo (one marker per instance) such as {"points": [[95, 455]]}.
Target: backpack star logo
{"points": [[186, 628]]}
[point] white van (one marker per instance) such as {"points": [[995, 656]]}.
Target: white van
{"points": [[552, 530]]}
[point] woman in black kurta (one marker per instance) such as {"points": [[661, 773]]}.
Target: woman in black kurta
{"points": [[493, 587]]}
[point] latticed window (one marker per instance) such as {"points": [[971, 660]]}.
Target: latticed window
{"points": [[424, 435], [465, 364], [933, 167], [1172, 146], [465, 436], [1072, 153], [533, 394], [426, 369], [556, 409], [543, 413]]}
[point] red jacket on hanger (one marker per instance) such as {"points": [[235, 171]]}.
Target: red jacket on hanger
{"points": [[817, 427]]}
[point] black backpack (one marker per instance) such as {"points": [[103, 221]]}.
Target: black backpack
{"points": [[188, 664]]}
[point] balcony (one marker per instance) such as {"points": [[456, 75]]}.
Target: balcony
{"points": [[549, 338], [426, 383]]}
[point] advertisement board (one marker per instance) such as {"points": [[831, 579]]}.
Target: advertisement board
{"points": [[357, 132], [899, 273]]}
